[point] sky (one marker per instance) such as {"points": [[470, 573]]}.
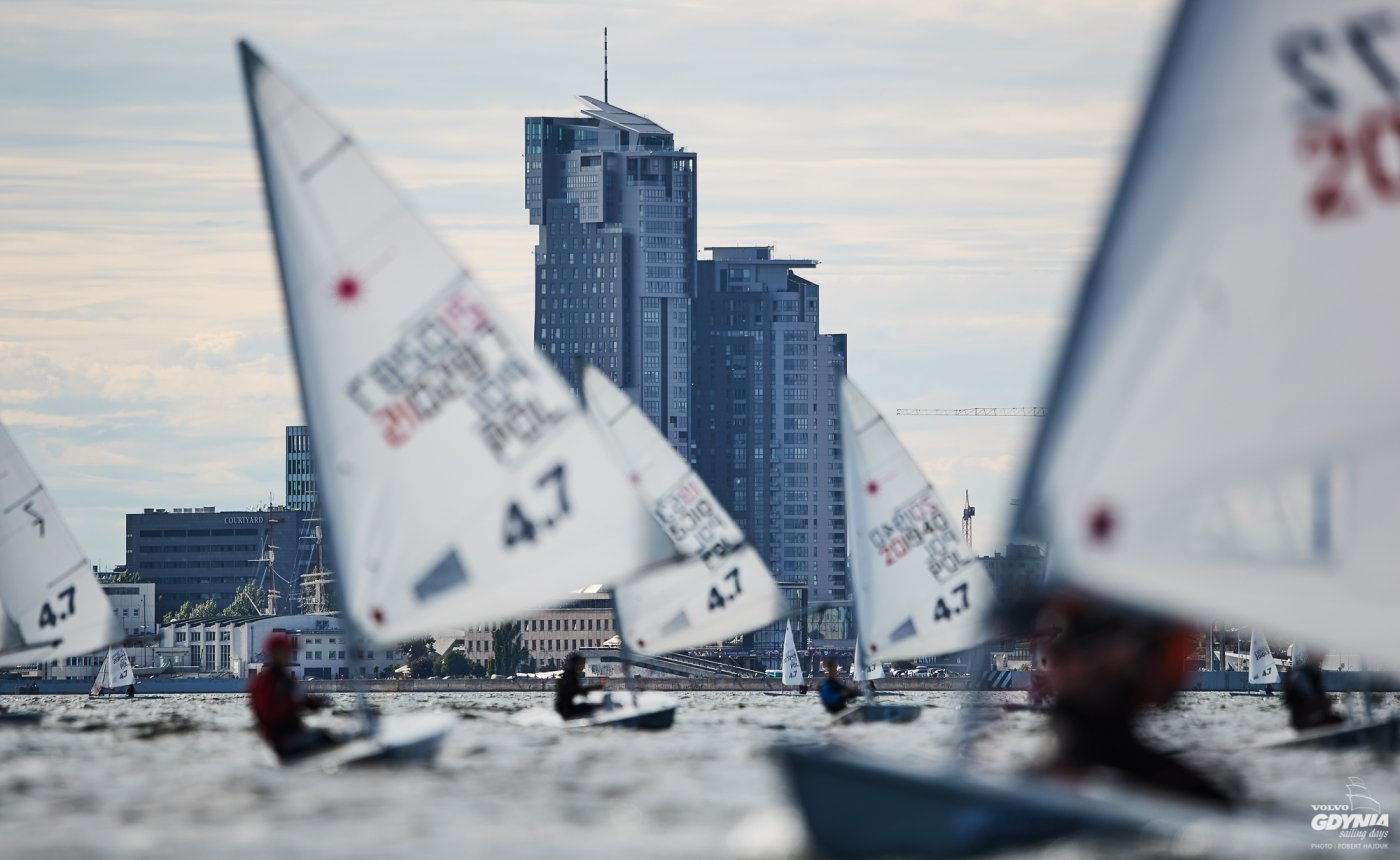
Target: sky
{"points": [[947, 162]]}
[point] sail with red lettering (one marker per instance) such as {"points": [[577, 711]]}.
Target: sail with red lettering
{"points": [[1223, 430], [919, 589], [460, 480]]}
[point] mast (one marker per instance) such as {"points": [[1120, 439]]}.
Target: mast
{"points": [[605, 65], [624, 650]]}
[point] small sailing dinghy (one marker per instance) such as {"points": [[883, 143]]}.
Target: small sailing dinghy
{"points": [[1263, 670], [51, 606], [460, 481], [792, 668], [115, 675], [717, 588], [919, 589], [1248, 259], [869, 710]]}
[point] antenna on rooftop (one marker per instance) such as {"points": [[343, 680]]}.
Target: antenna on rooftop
{"points": [[605, 65]]}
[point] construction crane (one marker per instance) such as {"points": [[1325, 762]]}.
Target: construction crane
{"points": [[982, 411]]}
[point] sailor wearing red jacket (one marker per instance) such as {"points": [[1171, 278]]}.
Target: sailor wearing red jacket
{"points": [[278, 702]]}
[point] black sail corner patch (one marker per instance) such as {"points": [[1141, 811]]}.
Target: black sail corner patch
{"points": [[903, 631], [445, 575]]}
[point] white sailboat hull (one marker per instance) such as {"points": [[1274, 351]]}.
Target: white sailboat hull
{"points": [[414, 738]]}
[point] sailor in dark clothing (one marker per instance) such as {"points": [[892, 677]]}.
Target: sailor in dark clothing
{"points": [[131, 691], [835, 692], [1107, 665], [1308, 703], [278, 702], [571, 686]]}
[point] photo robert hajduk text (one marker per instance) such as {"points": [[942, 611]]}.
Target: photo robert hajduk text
{"points": [[1356, 823]]}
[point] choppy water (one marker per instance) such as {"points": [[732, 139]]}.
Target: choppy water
{"points": [[185, 776]]}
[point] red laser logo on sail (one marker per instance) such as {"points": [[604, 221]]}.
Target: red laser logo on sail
{"points": [[347, 289]]}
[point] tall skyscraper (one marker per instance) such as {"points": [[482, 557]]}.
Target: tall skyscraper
{"points": [[300, 473], [767, 427], [614, 201]]}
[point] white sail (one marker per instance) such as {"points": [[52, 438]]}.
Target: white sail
{"points": [[864, 671], [116, 672], [1223, 434], [459, 478], [919, 590], [53, 606], [724, 589], [1262, 669], [792, 666]]}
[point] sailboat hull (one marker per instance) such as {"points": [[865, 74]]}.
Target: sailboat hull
{"points": [[644, 710], [905, 813], [398, 739], [871, 712], [1381, 735]]}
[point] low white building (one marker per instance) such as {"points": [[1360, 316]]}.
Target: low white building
{"points": [[134, 605], [233, 646]]}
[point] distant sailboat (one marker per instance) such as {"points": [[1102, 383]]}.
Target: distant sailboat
{"points": [[1262, 669], [792, 667], [919, 589], [718, 586], [115, 674], [460, 481], [1246, 267], [51, 606]]}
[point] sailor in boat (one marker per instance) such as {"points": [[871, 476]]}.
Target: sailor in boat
{"points": [[1106, 666], [131, 691], [278, 702], [835, 692], [1309, 706], [571, 686]]}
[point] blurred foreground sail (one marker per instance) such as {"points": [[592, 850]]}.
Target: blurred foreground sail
{"points": [[51, 605], [460, 479], [1224, 425], [723, 588], [919, 590]]}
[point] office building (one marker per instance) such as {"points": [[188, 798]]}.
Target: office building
{"points": [[199, 554], [300, 471], [234, 646], [614, 200], [767, 430]]}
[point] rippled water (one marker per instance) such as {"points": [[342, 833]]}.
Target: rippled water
{"points": [[185, 776]]}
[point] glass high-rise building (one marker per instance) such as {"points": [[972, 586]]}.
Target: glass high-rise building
{"points": [[767, 428], [614, 200], [300, 472]]}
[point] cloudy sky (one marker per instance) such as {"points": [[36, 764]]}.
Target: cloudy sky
{"points": [[947, 161]]}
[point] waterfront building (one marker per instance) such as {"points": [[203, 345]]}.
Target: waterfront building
{"points": [[199, 554], [614, 200], [233, 646], [767, 431], [134, 605], [583, 621]]}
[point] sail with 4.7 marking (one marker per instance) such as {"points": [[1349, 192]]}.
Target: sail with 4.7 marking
{"points": [[792, 665], [51, 606], [862, 671], [919, 590], [1223, 431], [460, 480], [116, 672], [1262, 669], [721, 588]]}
